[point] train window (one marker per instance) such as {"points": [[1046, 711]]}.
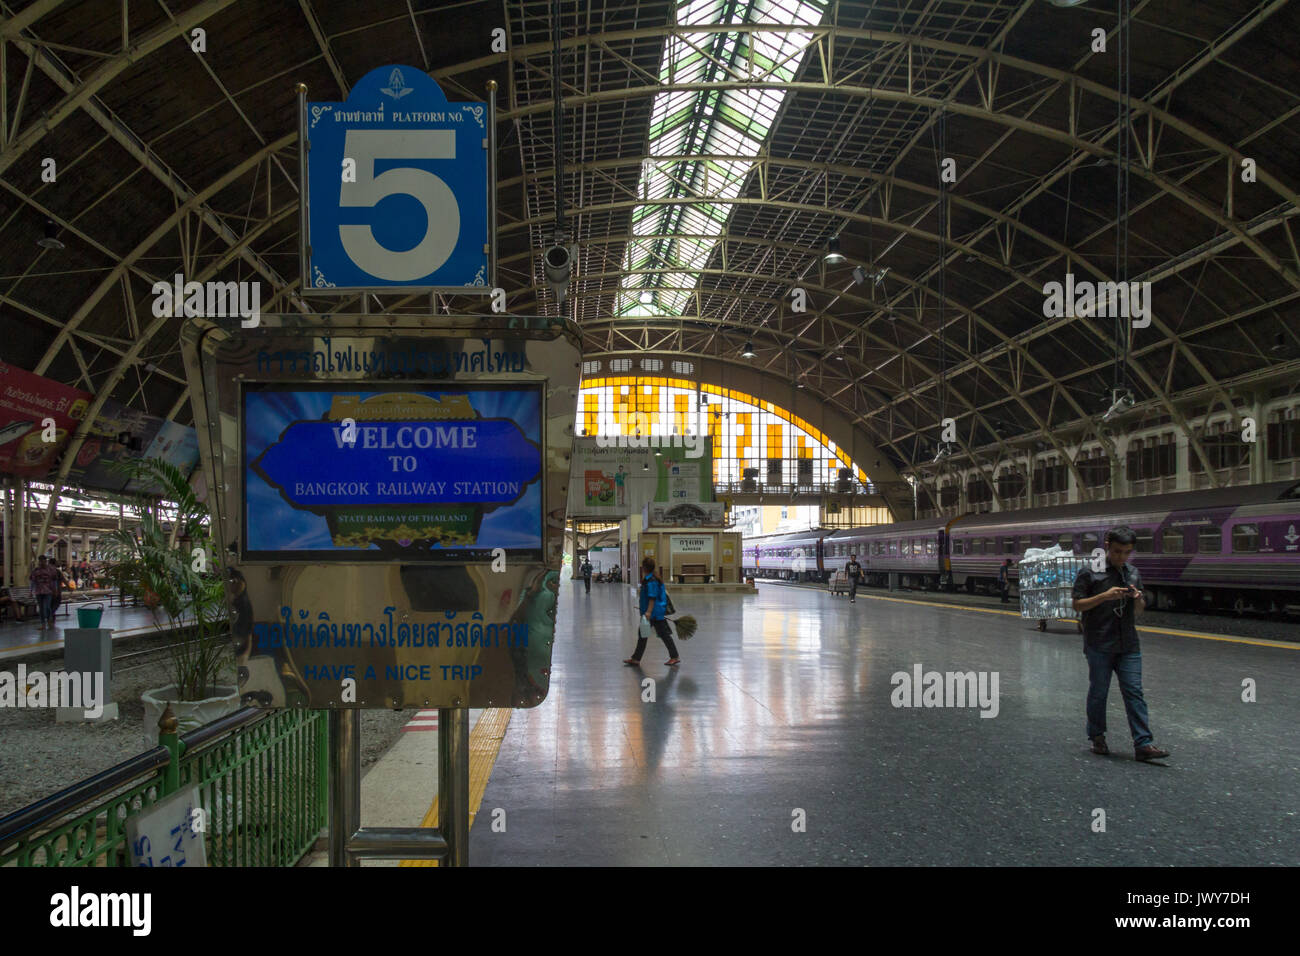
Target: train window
{"points": [[929, 546], [1090, 541], [1010, 545], [1066, 541], [1245, 537], [1171, 541], [893, 547], [1145, 540], [1209, 540], [904, 547], [958, 545]]}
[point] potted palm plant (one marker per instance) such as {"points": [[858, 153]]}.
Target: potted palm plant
{"points": [[158, 562]]}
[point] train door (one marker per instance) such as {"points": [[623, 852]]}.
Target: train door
{"points": [[821, 552]]}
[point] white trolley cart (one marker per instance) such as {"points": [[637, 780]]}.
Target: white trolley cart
{"points": [[1047, 587]]}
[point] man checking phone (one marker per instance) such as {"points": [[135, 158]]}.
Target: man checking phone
{"points": [[1109, 602]]}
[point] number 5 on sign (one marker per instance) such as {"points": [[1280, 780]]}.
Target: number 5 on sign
{"points": [[396, 187], [442, 228]]}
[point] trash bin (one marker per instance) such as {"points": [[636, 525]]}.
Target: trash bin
{"points": [[88, 615]]}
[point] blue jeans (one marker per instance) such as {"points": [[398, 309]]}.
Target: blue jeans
{"points": [[1129, 669], [45, 605]]}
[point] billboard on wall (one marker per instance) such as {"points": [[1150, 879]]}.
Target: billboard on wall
{"points": [[616, 481], [26, 401]]}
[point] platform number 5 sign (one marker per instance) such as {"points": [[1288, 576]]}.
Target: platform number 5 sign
{"points": [[397, 187]]}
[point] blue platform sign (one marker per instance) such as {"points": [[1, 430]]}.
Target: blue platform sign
{"points": [[397, 188]]}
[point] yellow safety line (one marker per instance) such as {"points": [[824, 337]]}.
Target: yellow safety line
{"points": [[484, 745], [1261, 642]]}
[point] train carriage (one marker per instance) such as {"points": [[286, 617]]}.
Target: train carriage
{"points": [[1227, 547]]}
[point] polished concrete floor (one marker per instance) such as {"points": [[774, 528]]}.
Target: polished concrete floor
{"points": [[782, 712], [21, 638]]}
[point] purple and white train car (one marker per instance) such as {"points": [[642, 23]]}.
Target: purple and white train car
{"points": [[1227, 547]]}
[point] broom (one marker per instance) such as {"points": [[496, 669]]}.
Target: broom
{"points": [[686, 626]]}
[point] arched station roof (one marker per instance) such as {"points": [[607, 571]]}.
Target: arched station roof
{"points": [[711, 150]]}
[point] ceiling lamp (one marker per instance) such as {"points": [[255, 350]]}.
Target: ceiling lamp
{"points": [[48, 241], [1066, 3], [647, 296], [833, 255], [748, 351]]}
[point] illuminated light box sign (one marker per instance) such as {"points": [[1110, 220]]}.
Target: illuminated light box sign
{"points": [[412, 473]]}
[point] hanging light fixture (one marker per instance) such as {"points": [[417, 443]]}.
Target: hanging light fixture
{"points": [[833, 255], [49, 240], [748, 351]]}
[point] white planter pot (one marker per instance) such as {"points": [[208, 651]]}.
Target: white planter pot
{"points": [[190, 714]]}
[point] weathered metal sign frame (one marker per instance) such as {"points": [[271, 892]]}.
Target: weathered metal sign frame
{"points": [[474, 633]]}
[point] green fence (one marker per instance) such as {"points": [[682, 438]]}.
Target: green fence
{"points": [[261, 775]]}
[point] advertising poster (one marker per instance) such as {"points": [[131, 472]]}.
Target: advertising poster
{"points": [[682, 480], [26, 400], [103, 446], [618, 480], [331, 473], [176, 444]]}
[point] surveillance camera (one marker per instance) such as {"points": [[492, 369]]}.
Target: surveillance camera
{"points": [[859, 276], [557, 262], [1121, 405]]}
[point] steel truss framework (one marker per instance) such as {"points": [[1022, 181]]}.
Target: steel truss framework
{"points": [[1031, 112]]}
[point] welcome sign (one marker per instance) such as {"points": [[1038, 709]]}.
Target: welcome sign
{"points": [[423, 475]]}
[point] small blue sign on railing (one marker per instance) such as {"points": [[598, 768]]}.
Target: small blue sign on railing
{"points": [[396, 188]]}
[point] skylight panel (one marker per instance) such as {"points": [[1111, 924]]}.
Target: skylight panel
{"points": [[707, 123]]}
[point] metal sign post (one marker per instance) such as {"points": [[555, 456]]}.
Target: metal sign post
{"points": [[388, 491], [389, 497]]}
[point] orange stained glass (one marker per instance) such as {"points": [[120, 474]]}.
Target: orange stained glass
{"points": [[775, 434], [681, 411], [646, 397]]}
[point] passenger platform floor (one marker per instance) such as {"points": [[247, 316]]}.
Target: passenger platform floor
{"points": [[782, 710]]}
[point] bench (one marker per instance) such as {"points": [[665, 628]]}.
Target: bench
{"points": [[693, 574], [27, 598], [839, 583]]}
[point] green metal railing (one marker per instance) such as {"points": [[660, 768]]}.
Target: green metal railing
{"points": [[262, 776]]}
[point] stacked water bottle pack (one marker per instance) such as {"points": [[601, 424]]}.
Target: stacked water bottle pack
{"points": [[1047, 582]]}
